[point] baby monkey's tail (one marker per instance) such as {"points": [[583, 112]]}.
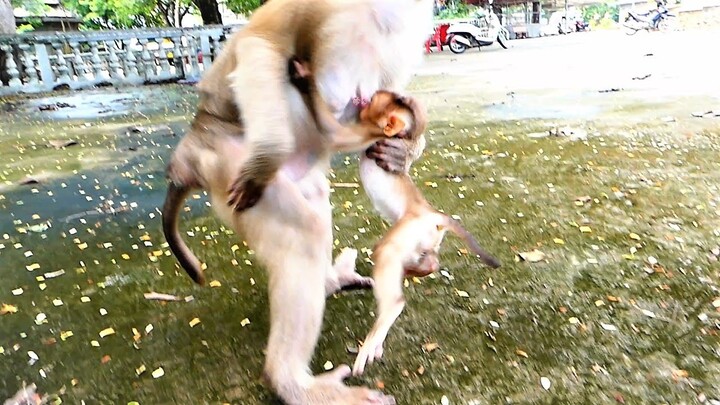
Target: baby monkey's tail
{"points": [[470, 241], [174, 199]]}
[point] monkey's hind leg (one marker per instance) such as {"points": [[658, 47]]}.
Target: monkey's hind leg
{"points": [[388, 275], [344, 275], [298, 258]]}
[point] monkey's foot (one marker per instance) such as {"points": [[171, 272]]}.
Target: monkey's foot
{"points": [[371, 350], [328, 388], [346, 278], [245, 193]]}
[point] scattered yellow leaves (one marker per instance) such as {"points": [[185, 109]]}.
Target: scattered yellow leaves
{"points": [[8, 309], [431, 347], [194, 322], [533, 256], [159, 372], [107, 332], [559, 241], [585, 229], [634, 236], [521, 353], [140, 369], [215, 283]]}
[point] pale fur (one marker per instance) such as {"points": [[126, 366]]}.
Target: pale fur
{"points": [[290, 228]]}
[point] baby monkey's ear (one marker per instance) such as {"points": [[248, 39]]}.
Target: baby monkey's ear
{"points": [[394, 125]]}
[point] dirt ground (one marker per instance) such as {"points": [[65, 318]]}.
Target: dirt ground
{"points": [[596, 151]]}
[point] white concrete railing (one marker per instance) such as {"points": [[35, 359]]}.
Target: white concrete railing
{"points": [[41, 62]]}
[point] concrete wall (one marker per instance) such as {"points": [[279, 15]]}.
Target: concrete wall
{"points": [[40, 62]]}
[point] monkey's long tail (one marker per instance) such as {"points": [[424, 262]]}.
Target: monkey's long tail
{"points": [[174, 199], [470, 241]]}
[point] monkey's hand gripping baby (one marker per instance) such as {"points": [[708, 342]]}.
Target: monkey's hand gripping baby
{"points": [[411, 246]]}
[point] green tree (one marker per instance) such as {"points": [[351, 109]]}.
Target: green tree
{"points": [[33, 7], [244, 6], [210, 11], [597, 12], [120, 14]]}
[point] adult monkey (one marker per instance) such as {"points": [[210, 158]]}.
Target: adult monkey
{"points": [[253, 132]]}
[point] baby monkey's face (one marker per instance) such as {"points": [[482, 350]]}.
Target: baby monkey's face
{"points": [[387, 112]]}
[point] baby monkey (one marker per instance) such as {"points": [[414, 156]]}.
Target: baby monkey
{"points": [[411, 246]]}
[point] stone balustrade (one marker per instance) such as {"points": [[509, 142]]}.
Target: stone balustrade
{"points": [[41, 62]]}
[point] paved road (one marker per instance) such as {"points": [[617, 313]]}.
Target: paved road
{"points": [[572, 69]]}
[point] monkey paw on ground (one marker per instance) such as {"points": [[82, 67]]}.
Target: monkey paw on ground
{"points": [[347, 276], [245, 193], [329, 388], [371, 350]]}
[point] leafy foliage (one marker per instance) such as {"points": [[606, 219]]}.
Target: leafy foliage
{"points": [[120, 14], [243, 6], [117, 14], [597, 12], [455, 9], [34, 7]]}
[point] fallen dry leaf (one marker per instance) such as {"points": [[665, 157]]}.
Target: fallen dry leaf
{"points": [[532, 256], [160, 296], [158, 372], [8, 309], [430, 347]]}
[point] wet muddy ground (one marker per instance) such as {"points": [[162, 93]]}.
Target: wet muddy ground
{"points": [[563, 147]]}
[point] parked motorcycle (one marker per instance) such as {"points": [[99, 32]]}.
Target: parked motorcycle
{"points": [[581, 26], [652, 20], [483, 30]]}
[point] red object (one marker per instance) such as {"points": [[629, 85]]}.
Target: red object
{"points": [[439, 38]]}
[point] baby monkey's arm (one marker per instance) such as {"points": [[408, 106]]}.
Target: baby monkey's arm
{"points": [[350, 138]]}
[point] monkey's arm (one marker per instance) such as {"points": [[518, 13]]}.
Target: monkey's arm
{"points": [[396, 155], [259, 88], [350, 138], [343, 138]]}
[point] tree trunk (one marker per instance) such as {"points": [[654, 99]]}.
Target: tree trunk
{"points": [[7, 26], [176, 15], [7, 20], [208, 10]]}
